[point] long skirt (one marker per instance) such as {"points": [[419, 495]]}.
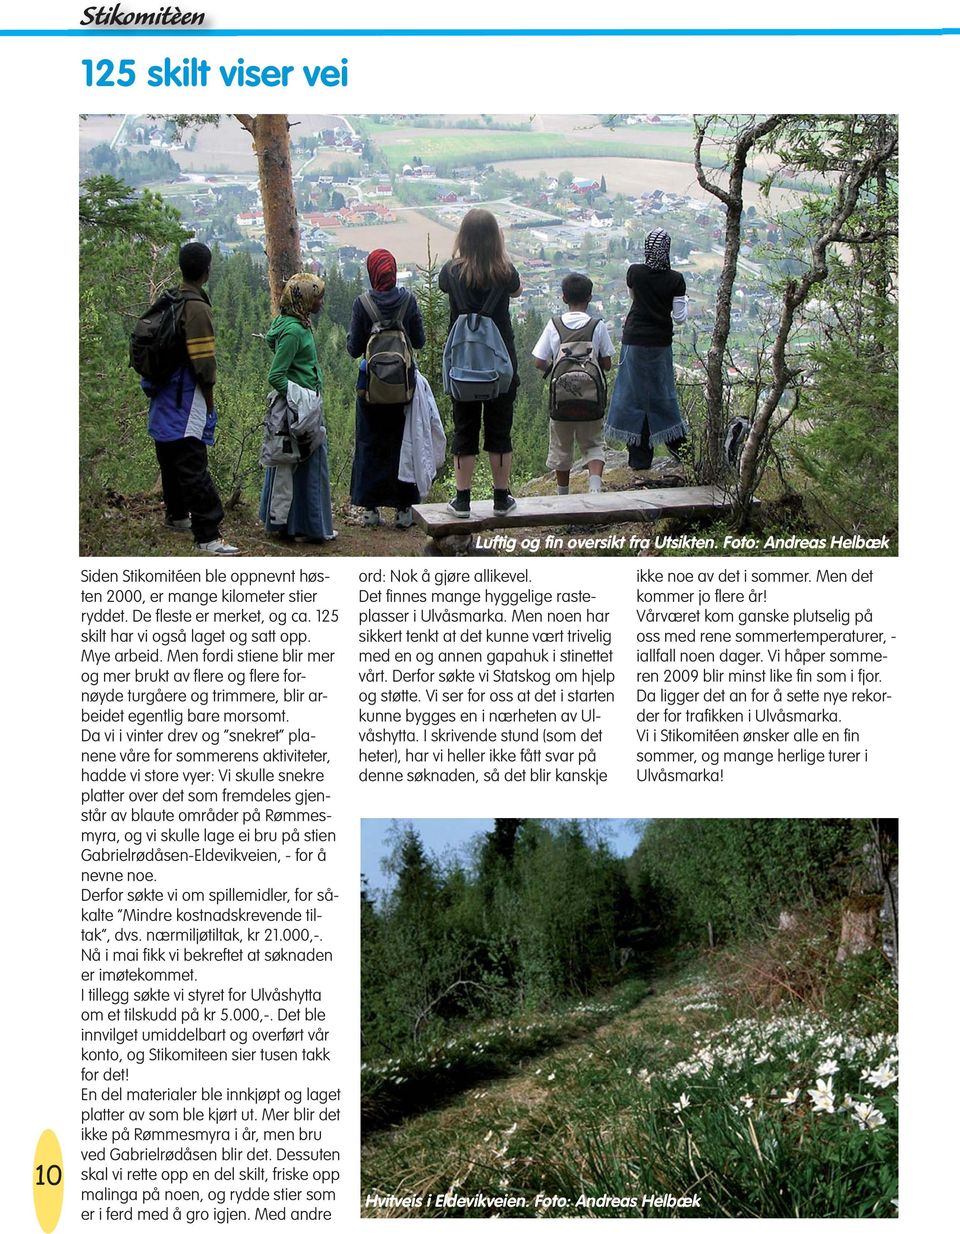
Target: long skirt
{"points": [[311, 511], [644, 407], [376, 459]]}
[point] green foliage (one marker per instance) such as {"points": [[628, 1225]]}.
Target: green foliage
{"points": [[241, 308], [732, 875], [128, 254], [434, 309], [535, 917], [419, 1078], [339, 295], [135, 167], [110, 210], [863, 983], [851, 418]]}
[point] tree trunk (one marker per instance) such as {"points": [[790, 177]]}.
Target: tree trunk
{"points": [[732, 197], [859, 926], [885, 832], [271, 140]]}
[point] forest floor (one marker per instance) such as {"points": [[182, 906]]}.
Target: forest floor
{"points": [[132, 525], [673, 1095]]}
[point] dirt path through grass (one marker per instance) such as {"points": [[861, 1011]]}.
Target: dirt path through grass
{"points": [[480, 1134], [679, 1096]]}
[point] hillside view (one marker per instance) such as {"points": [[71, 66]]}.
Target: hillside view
{"points": [[817, 377]]}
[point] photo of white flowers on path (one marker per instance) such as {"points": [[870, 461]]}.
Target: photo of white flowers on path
{"points": [[630, 1017]]}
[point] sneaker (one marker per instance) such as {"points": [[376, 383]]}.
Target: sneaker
{"points": [[503, 505], [217, 548], [371, 517], [177, 524], [403, 518], [459, 507]]}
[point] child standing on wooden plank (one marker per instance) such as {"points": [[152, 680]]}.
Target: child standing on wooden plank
{"points": [[575, 351], [644, 409]]}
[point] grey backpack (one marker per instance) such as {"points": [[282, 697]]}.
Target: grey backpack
{"points": [[738, 430], [476, 364], [578, 388]]}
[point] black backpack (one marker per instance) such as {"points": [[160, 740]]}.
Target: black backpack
{"points": [[391, 370], [157, 346]]}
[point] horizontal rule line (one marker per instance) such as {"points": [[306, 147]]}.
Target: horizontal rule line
{"points": [[706, 32]]}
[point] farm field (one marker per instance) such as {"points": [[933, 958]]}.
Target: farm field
{"points": [[400, 145], [574, 127], [229, 148], [406, 239], [550, 136], [634, 176], [668, 135], [580, 124], [97, 129], [219, 149]]}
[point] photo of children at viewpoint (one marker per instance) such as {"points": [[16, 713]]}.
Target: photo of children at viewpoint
{"points": [[396, 334]]}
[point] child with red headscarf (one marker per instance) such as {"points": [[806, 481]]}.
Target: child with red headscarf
{"points": [[376, 459]]}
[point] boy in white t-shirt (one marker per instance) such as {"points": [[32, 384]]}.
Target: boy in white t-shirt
{"points": [[576, 290]]}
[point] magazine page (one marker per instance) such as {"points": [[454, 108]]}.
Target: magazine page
{"points": [[467, 658]]}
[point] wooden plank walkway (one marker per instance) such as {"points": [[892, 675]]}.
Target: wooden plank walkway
{"points": [[577, 510]]}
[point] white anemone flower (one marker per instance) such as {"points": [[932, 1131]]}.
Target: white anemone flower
{"points": [[867, 1115], [821, 1097], [682, 1104], [828, 1066], [882, 1076], [790, 1096]]}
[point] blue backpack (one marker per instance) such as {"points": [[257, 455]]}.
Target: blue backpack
{"points": [[476, 364]]}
